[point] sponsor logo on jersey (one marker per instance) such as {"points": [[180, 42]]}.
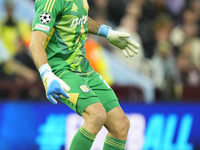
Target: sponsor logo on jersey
{"points": [[79, 21], [74, 8], [84, 88], [45, 18], [42, 27]]}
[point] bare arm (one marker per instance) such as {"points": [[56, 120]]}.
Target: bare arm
{"points": [[92, 26], [38, 52], [18, 68]]}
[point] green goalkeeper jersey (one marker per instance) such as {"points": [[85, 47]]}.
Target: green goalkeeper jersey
{"points": [[65, 23]]}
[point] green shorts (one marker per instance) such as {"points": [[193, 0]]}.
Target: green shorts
{"points": [[87, 90]]}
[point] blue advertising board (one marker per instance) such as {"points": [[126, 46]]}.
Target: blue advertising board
{"points": [[43, 126]]}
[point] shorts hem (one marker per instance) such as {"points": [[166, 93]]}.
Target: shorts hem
{"points": [[109, 106], [92, 100]]}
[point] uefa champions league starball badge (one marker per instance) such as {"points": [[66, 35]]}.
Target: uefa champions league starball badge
{"points": [[45, 18]]}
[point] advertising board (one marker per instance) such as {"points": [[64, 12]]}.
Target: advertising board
{"points": [[44, 126]]}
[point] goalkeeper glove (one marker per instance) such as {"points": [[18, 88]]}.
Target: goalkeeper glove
{"points": [[120, 40], [54, 86]]}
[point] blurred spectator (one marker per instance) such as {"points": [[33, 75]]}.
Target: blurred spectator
{"points": [[99, 4], [175, 7], [163, 59], [188, 28], [186, 74], [11, 66], [16, 64], [11, 29], [162, 26], [191, 47], [116, 10], [15, 35], [195, 5], [162, 64], [189, 16], [16, 80], [134, 9], [129, 24], [187, 34], [150, 11]]}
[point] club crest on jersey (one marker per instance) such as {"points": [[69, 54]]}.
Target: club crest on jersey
{"points": [[84, 88], [45, 18]]}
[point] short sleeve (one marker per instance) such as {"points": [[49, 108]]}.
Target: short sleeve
{"points": [[46, 12]]}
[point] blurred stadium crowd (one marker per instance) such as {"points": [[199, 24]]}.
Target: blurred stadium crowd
{"points": [[167, 67]]}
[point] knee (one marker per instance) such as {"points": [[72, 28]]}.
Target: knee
{"points": [[96, 118], [121, 128], [124, 125]]}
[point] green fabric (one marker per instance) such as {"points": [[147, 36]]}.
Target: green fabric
{"points": [[114, 144], [96, 90], [109, 106], [67, 33], [82, 140]]}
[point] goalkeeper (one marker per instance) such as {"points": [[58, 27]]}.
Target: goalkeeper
{"points": [[60, 29]]}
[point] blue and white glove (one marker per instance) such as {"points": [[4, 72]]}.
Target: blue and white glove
{"points": [[119, 39], [54, 86]]}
